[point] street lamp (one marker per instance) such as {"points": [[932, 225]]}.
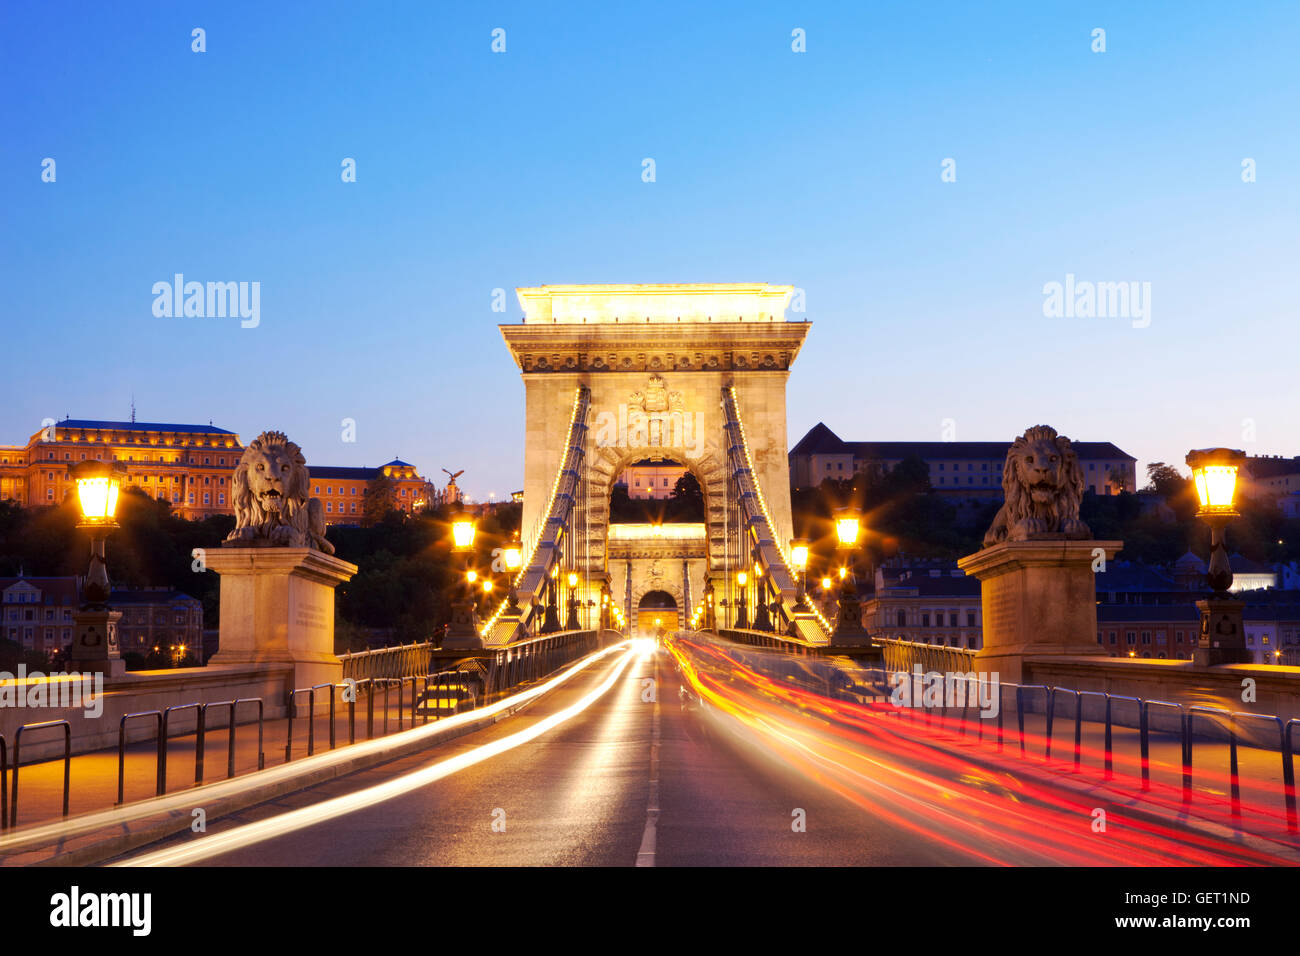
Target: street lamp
{"points": [[571, 624], [848, 626], [1222, 638], [799, 558], [762, 622], [742, 603], [463, 630], [513, 558], [551, 623], [99, 483]]}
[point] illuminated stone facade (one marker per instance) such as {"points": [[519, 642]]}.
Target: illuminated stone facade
{"points": [[656, 359], [189, 466]]}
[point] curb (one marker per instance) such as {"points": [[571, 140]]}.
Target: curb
{"points": [[173, 822]]}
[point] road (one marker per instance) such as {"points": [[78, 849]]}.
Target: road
{"points": [[581, 795]]}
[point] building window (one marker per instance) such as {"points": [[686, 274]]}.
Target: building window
{"points": [[1131, 636], [1112, 637], [902, 618]]}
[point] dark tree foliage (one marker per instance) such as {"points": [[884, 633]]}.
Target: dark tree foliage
{"points": [[685, 504], [901, 513]]}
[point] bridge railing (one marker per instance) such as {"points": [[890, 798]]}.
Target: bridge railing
{"points": [[406, 660], [904, 655], [361, 706], [1057, 707], [769, 639]]}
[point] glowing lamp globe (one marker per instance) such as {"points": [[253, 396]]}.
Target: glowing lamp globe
{"points": [[98, 486], [462, 531], [513, 558], [1214, 472], [742, 578], [573, 579], [799, 553], [847, 525]]}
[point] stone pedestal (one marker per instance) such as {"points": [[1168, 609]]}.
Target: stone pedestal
{"points": [[95, 648], [463, 631], [1222, 639], [277, 606], [1038, 597]]}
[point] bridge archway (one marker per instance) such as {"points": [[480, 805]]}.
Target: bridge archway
{"points": [[614, 374], [656, 610]]}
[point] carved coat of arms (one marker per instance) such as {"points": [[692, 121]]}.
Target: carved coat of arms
{"points": [[656, 397]]}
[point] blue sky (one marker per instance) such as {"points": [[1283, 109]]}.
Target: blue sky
{"points": [[478, 171]]}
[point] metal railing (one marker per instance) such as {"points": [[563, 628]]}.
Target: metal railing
{"points": [[528, 661], [1178, 719], [904, 655], [406, 660], [487, 677], [67, 763], [769, 639]]}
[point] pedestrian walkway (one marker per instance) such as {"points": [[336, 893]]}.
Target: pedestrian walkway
{"points": [[93, 776]]}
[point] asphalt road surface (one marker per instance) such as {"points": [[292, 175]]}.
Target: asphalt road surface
{"points": [[628, 781]]}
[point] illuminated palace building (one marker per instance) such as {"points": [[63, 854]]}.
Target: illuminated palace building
{"points": [[188, 466]]}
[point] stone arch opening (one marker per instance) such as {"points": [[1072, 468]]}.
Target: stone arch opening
{"points": [[657, 611]]}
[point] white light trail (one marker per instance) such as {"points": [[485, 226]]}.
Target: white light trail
{"points": [[183, 801], [284, 823]]}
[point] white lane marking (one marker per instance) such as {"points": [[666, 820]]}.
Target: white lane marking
{"points": [[646, 855], [284, 823]]}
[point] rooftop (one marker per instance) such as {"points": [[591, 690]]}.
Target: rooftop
{"points": [[684, 302], [820, 440], [95, 424]]}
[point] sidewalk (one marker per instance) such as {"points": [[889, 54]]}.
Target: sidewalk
{"points": [[94, 775]]}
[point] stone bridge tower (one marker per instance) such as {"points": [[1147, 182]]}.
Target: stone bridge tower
{"points": [[656, 359]]}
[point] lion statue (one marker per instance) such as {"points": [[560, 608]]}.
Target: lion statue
{"points": [[1043, 486], [272, 506]]}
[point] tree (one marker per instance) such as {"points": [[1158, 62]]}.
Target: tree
{"points": [[1165, 480], [687, 500], [381, 498]]}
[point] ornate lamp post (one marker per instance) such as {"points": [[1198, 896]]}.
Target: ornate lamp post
{"points": [[1222, 638], [799, 558], [571, 623], [762, 620], [96, 646], [742, 603], [710, 614], [513, 558], [551, 623], [848, 625], [463, 630]]}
